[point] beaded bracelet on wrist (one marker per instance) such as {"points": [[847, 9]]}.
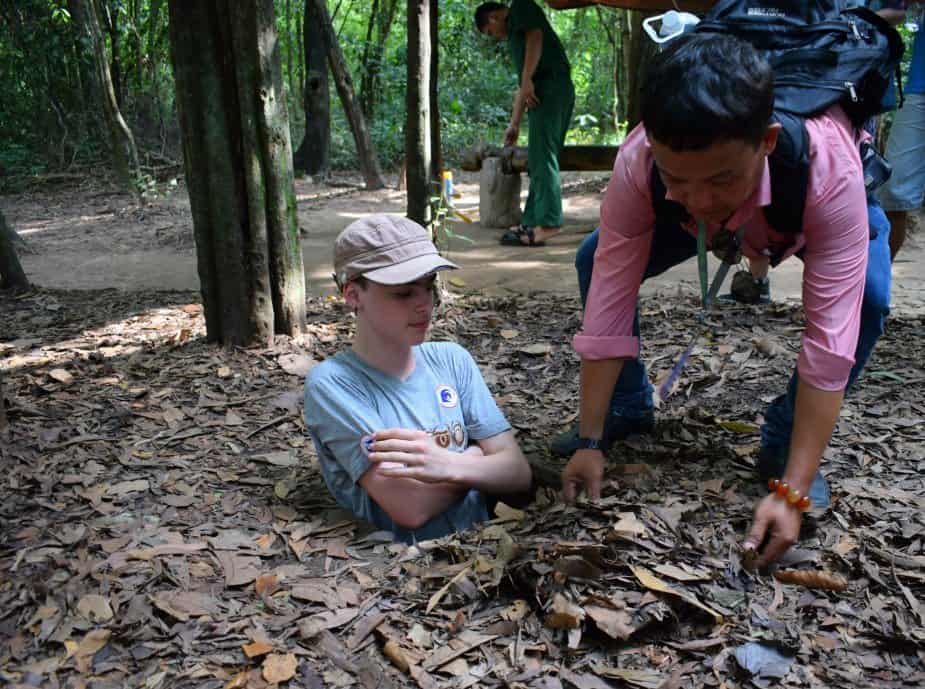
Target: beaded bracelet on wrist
{"points": [[793, 497]]}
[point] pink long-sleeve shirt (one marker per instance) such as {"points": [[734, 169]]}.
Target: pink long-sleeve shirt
{"points": [[835, 241]]}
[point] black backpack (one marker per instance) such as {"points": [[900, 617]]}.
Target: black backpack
{"points": [[822, 54]]}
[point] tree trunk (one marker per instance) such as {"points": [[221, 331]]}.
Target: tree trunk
{"points": [[115, 66], [366, 151], [289, 60], [121, 141], [366, 102], [436, 151], [12, 275], [642, 49], [314, 154], [371, 64], [237, 158], [417, 112], [621, 64], [499, 195]]}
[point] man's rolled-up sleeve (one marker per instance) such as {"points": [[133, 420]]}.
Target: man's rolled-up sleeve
{"points": [[835, 261], [625, 240]]}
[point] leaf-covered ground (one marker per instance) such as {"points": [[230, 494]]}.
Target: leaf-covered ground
{"points": [[163, 522]]}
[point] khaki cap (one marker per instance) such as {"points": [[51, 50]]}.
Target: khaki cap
{"points": [[388, 249]]}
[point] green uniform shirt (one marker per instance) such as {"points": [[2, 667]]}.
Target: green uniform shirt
{"points": [[524, 15]]}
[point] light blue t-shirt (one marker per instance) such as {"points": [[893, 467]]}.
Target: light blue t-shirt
{"points": [[445, 395]]}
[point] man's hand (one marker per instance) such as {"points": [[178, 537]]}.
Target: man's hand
{"points": [[585, 470], [511, 134], [528, 94], [782, 521], [404, 453]]}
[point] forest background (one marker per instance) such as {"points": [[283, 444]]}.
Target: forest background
{"points": [[50, 120]]}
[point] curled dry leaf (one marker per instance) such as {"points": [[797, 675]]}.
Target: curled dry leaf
{"points": [[396, 654], [564, 614], [825, 581]]}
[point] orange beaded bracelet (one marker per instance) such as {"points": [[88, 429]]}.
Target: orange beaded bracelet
{"points": [[791, 495]]}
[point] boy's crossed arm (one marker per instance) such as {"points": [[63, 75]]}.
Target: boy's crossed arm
{"points": [[414, 480]]}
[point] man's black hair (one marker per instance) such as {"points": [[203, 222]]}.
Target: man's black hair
{"points": [[706, 88], [482, 12]]}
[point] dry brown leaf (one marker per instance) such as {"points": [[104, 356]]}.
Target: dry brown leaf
{"points": [[95, 608], [238, 570], [296, 364], [650, 581], [536, 349], [60, 375], [563, 614], [126, 487], [257, 648], [279, 667], [183, 605], [87, 648], [266, 584], [617, 624]]}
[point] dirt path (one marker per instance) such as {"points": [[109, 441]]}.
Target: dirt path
{"points": [[86, 238]]}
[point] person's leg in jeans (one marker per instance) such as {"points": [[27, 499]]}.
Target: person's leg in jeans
{"points": [[631, 405], [778, 424]]}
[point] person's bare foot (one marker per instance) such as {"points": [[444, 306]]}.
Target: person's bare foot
{"points": [[541, 233]]}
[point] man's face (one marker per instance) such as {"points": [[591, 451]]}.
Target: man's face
{"points": [[497, 25], [714, 182]]}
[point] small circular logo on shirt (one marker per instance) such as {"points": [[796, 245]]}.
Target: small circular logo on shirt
{"points": [[447, 396], [458, 436]]}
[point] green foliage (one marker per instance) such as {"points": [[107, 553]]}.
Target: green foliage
{"points": [[50, 120]]}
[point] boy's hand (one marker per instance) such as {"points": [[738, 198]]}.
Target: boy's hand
{"points": [[404, 453]]}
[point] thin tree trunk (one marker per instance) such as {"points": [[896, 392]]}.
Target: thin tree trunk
{"points": [[365, 73], [436, 151], [237, 157], [366, 151], [300, 64], [641, 51], [12, 276], [372, 66], [121, 141], [115, 65], [154, 14], [314, 154], [417, 112], [290, 79], [621, 64]]}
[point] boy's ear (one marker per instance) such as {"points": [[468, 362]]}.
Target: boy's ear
{"points": [[351, 294]]}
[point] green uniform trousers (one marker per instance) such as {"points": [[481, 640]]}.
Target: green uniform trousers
{"points": [[549, 122]]}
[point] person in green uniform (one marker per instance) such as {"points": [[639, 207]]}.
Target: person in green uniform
{"points": [[548, 96]]}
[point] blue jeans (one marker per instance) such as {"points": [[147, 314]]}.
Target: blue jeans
{"points": [[671, 245]]}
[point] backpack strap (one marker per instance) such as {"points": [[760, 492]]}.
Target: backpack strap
{"points": [[789, 168]]}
